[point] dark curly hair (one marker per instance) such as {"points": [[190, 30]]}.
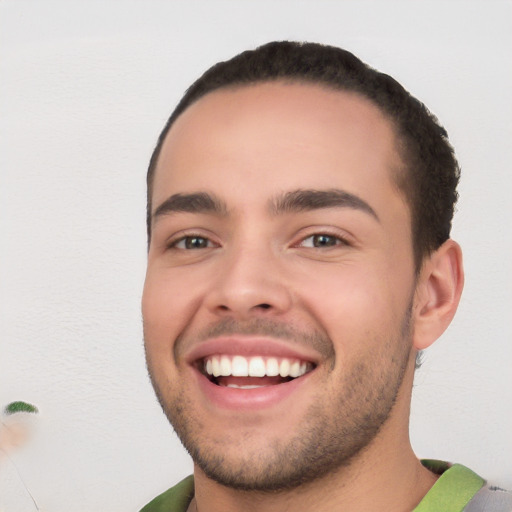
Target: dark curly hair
{"points": [[430, 171]]}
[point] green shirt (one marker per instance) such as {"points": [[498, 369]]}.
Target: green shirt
{"points": [[453, 490]]}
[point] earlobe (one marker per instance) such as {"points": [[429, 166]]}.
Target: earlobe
{"points": [[438, 293]]}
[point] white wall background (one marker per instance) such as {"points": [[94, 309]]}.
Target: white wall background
{"points": [[85, 87]]}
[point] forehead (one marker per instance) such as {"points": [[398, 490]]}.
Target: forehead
{"points": [[289, 136]]}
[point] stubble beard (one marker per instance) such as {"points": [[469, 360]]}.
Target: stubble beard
{"points": [[329, 438]]}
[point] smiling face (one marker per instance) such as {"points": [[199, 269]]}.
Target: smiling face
{"points": [[278, 297]]}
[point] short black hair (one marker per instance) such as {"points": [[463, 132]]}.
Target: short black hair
{"points": [[430, 173]]}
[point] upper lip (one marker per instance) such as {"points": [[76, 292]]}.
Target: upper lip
{"points": [[251, 346]]}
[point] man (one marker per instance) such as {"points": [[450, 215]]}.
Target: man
{"points": [[299, 213]]}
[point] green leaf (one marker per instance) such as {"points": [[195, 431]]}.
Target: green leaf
{"points": [[19, 406]]}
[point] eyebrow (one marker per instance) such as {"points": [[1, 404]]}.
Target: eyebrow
{"points": [[289, 202], [306, 200], [199, 202]]}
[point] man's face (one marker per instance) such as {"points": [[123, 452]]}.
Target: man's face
{"points": [[280, 281]]}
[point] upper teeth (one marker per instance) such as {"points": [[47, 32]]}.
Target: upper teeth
{"points": [[240, 366]]}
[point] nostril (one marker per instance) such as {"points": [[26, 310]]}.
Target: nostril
{"points": [[223, 307]]}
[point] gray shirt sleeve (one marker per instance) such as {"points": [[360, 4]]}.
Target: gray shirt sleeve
{"points": [[490, 499]]}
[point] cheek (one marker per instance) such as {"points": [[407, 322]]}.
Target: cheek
{"points": [[353, 303], [167, 303]]}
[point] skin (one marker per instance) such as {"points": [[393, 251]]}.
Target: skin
{"points": [[355, 305]]}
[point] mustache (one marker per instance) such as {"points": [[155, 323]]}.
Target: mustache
{"points": [[257, 327]]}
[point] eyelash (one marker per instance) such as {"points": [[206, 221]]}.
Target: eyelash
{"points": [[189, 238], [338, 240]]}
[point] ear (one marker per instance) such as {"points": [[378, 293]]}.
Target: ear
{"points": [[438, 292]]}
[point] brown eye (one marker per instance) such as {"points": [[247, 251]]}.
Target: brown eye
{"points": [[324, 241], [321, 240], [196, 242], [192, 242]]}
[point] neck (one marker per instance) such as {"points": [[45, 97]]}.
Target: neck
{"points": [[380, 485]]}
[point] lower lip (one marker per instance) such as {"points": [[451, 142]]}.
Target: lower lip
{"points": [[248, 399]]}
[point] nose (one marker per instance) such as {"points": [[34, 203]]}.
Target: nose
{"points": [[249, 282]]}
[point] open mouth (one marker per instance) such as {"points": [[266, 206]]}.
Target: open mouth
{"points": [[236, 371]]}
